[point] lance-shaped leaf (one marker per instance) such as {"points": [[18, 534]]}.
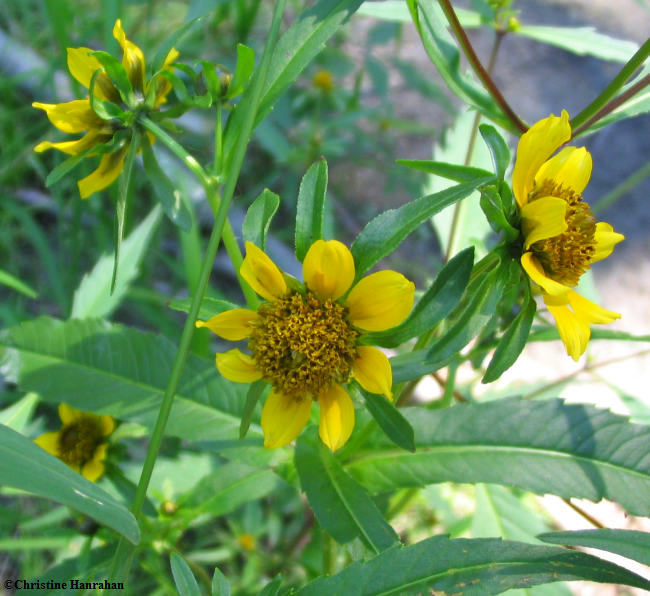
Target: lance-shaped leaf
{"points": [[472, 567], [26, 466], [341, 505], [446, 170], [184, 579], [310, 207], [498, 149], [569, 450], [258, 218]]}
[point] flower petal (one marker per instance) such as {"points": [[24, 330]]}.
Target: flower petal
{"points": [[536, 272], [380, 301], [590, 312], [328, 268], [571, 168], [71, 116], [535, 147], [336, 417], [373, 371], [93, 470], [262, 274], [69, 415], [109, 169], [606, 240], [133, 58], [89, 140], [543, 218], [283, 418], [49, 442], [82, 67], [106, 424], [232, 324], [237, 366], [574, 331], [164, 85]]}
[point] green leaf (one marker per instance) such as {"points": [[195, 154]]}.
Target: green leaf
{"points": [[446, 170], [252, 397], [93, 297], [436, 303], [498, 148], [243, 70], [310, 207], [581, 41], [389, 419], [117, 74], [550, 334], [412, 365], [168, 195], [220, 584], [593, 453], [209, 306], [28, 467], [472, 567], [627, 543], [495, 212], [17, 416], [513, 341], [341, 505], [272, 588], [184, 579], [95, 366], [258, 218], [13, 282], [384, 234]]}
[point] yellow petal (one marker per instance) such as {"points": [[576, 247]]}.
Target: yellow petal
{"points": [[89, 140], [606, 240], [232, 324], [262, 274], [82, 67], [574, 331], [283, 418], [380, 301], [336, 417], [328, 268], [571, 168], [106, 424], [372, 369], [108, 171], [237, 366], [93, 470], [72, 116], [543, 218], [69, 415], [49, 442], [535, 147], [164, 85], [132, 60], [536, 272], [100, 452], [590, 312]]}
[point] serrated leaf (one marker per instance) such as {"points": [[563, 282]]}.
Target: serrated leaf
{"points": [[472, 567], [95, 366], [446, 170], [258, 218], [383, 235], [310, 207], [434, 305], [184, 579], [569, 450], [93, 297], [342, 506], [26, 466], [498, 149], [220, 584], [632, 544]]}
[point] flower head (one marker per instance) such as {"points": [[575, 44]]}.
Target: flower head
{"points": [[323, 80], [80, 442], [305, 342], [561, 236], [78, 116]]}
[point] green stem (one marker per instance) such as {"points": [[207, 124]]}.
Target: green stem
{"points": [[482, 74], [616, 193], [218, 141], [617, 82]]}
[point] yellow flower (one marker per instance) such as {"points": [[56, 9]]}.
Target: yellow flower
{"points": [[561, 236], [80, 442], [77, 116], [323, 80], [305, 342]]}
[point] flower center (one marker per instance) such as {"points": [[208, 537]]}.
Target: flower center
{"points": [[303, 345], [567, 256], [79, 440]]}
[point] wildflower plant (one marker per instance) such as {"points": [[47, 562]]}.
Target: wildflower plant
{"points": [[225, 474]]}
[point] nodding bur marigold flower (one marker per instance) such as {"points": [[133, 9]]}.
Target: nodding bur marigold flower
{"points": [[80, 442], [323, 80], [78, 116], [561, 236], [305, 342]]}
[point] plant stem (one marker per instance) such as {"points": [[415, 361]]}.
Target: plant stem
{"points": [[617, 82], [482, 74], [218, 141], [581, 512]]}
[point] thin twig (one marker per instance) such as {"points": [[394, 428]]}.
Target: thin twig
{"points": [[592, 520], [443, 383]]}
